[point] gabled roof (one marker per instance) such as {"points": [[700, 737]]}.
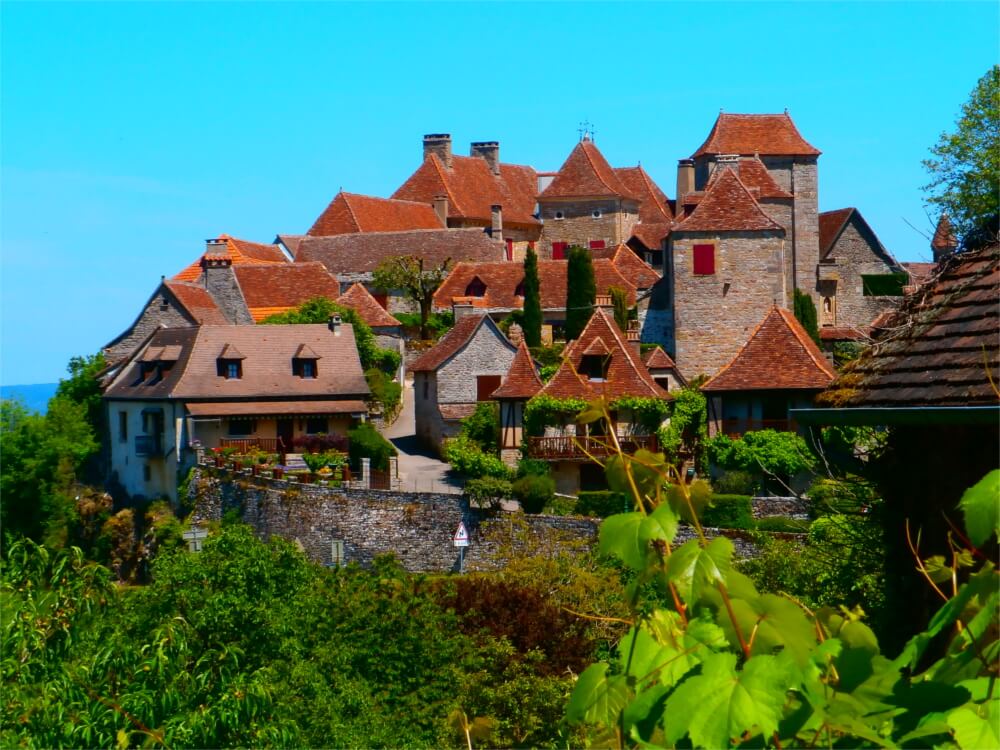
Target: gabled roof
{"points": [[472, 188], [349, 213], [919, 272], [779, 355], [832, 225], [240, 252], [197, 302], [770, 135], [586, 173], [944, 235], [655, 206], [651, 235], [362, 253], [629, 265], [657, 359], [502, 279], [454, 341], [758, 180], [290, 242], [521, 380], [940, 348], [727, 206], [271, 289], [359, 299]]}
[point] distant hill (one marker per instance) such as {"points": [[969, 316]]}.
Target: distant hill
{"points": [[34, 396]]}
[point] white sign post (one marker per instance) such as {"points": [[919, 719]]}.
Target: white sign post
{"points": [[461, 540]]}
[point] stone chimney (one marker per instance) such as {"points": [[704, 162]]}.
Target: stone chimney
{"points": [[496, 222], [441, 208], [440, 145], [488, 150], [604, 302], [633, 336], [685, 178], [334, 324], [461, 309], [220, 283]]}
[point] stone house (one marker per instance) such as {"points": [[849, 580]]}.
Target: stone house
{"points": [[349, 213], [460, 371], [227, 385], [663, 369]]}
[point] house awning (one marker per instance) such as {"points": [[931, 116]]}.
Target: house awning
{"points": [[274, 408]]}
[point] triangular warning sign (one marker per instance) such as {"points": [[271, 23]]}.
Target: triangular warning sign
{"points": [[461, 538]]}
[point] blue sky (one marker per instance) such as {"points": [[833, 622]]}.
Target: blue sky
{"points": [[132, 132]]}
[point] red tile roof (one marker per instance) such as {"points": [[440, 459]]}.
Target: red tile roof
{"points": [[348, 213], [727, 206], [271, 289], [367, 307], [831, 223], [944, 236], [779, 355], [197, 302], [758, 180], [472, 188], [655, 206], [240, 251], [657, 359], [454, 341], [586, 173], [770, 135], [651, 235], [629, 265], [503, 278], [842, 333], [521, 380]]}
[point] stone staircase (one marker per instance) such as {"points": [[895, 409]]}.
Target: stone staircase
{"points": [[294, 462]]}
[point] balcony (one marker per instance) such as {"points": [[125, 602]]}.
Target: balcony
{"points": [[570, 448], [735, 427], [149, 446], [249, 445]]}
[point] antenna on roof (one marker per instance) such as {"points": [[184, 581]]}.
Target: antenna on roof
{"points": [[786, 110], [586, 131]]}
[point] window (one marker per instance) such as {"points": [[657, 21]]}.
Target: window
{"points": [[230, 369], [597, 244], [560, 215], [152, 421], [510, 249], [704, 260], [594, 366], [427, 387], [596, 213], [123, 427], [316, 426], [304, 367], [241, 427], [476, 288], [336, 553], [883, 284], [559, 250], [485, 385]]}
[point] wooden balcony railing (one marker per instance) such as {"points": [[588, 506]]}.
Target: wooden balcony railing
{"points": [[578, 448], [246, 445], [736, 426]]}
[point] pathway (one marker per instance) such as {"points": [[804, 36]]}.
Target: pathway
{"points": [[419, 469]]}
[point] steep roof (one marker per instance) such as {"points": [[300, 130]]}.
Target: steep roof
{"points": [[944, 235], [240, 252], [758, 180], [586, 173], [472, 188], [454, 341], [727, 206], [919, 272], [359, 299], [362, 253], [629, 265], [779, 355], [831, 223], [770, 135], [502, 279], [521, 380], [651, 235], [658, 361], [271, 289], [939, 348], [349, 212], [655, 206], [197, 302]]}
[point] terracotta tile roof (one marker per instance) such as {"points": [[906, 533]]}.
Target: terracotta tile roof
{"points": [[586, 173], [521, 380], [197, 302], [455, 412], [240, 251], [567, 383], [367, 307], [727, 206], [842, 333], [651, 235], [657, 359], [831, 223], [472, 188], [770, 135], [939, 348], [655, 206], [454, 341], [502, 279], [944, 235], [361, 253], [349, 212], [779, 355], [290, 241], [755, 176], [270, 289], [629, 265]]}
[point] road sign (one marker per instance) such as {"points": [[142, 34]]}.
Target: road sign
{"points": [[461, 538]]}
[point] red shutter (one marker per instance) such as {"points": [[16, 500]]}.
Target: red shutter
{"points": [[510, 249], [597, 244], [704, 260], [559, 250], [485, 385]]}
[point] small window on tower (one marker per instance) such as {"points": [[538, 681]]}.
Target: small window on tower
{"points": [[704, 260], [596, 213], [597, 244], [559, 250], [560, 215]]}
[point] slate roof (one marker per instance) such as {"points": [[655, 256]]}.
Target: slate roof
{"points": [[502, 279], [727, 206], [586, 173], [349, 213], [472, 188], [779, 355], [521, 380], [362, 253], [197, 302], [629, 265], [454, 341], [271, 289], [359, 299], [241, 252], [939, 348], [944, 235], [770, 135]]}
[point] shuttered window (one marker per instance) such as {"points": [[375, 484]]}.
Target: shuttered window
{"points": [[510, 249], [704, 260], [597, 244], [485, 385], [559, 250]]}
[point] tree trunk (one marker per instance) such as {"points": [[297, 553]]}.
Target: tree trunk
{"points": [[425, 314]]}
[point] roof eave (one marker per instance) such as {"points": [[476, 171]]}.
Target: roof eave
{"points": [[898, 415]]}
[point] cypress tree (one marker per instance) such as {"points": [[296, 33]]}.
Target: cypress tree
{"points": [[805, 313], [532, 321], [581, 291], [619, 299]]}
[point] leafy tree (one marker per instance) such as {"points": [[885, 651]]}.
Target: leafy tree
{"points": [[83, 387], [581, 291], [483, 427], [619, 299], [965, 170], [532, 319], [805, 313], [408, 274], [762, 452]]}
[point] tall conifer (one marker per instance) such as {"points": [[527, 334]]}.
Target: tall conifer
{"points": [[532, 321], [581, 291]]}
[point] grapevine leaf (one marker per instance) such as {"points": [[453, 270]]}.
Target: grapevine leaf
{"points": [[642, 714], [693, 568], [981, 506], [660, 524], [772, 622], [972, 732], [597, 698], [621, 536], [937, 569]]}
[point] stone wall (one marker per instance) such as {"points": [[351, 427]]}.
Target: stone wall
{"points": [[162, 311], [857, 252], [484, 354], [793, 507], [221, 283], [805, 187], [578, 225]]}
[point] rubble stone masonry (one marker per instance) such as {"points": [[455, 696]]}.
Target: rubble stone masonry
{"points": [[162, 311], [806, 216], [579, 227], [856, 254]]}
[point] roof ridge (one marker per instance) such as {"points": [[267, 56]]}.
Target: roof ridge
{"points": [[805, 339], [439, 167], [350, 210]]}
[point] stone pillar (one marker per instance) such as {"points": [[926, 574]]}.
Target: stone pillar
{"points": [[394, 467], [805, 219], [366, 473]]}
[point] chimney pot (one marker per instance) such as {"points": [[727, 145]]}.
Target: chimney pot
{"points": [[440, 145], [488, 150], [334, 324]]}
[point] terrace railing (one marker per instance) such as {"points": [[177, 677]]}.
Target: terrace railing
{"points": [[247, 445], [570, 448]]}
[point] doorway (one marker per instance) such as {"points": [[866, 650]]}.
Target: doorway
{"points": [[286, 431]]}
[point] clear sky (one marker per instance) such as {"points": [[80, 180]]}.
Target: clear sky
{"points": [[132, 132]]}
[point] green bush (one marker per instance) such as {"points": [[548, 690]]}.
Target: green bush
{"points": [[729, 512], [367, 442], [561, 506], [602, 503], [491, 490], [762, 453], [468, 459], [439, 323], [533, 466], [783, 523], [317, 461], [483, 427], [534, 492], [385, 390], [735, 483], [387, 360]]}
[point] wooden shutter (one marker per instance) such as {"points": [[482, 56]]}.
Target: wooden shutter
{"points": [[704, 260], [485, 385], [597, 244], [510, 249], [559, 250]]}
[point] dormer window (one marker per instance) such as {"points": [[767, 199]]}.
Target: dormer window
{"points": [[476, 288], [305, 363], [306, 368], [230, 369], [594, 366]]}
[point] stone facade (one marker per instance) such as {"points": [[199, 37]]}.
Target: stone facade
{"points": [[161, 311], [578, 225], [221, 283], [485, 354], [805, 216]]}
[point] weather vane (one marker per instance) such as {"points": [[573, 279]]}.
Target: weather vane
{"points": [[586, 131]]}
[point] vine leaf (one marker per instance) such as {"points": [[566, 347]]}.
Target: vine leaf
{"points": [[693, 568], [597, 698], [627, 536], [981, 506], [777, 623], [971, 730]]}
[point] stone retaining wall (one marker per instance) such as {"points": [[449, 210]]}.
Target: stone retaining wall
{"points": [[793, 507]]}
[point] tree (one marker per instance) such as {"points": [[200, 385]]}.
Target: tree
{"points": [[805, 313], [408, 274], [965, 170], [532, 320], [619, 300], [581, 291]]}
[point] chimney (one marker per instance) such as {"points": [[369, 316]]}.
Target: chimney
{"points": [[515, 334], [604, 302], [441, 208], [220, 283], [440, 145], [685, 178], [633, 336], [461, 309], [488, 150], [334, 324], [496, 222]]}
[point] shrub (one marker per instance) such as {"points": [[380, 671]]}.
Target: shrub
{"points": [[483, 427], [438, 323], [602, 503], [366, 442], [764, 452], [729, 512], [783, 523], [468, 459], [534, 492], [561, 506], [533, 466], [491, 490], [385, 390], [387, 360], [316, 461], [735, 483], [320, 443]]}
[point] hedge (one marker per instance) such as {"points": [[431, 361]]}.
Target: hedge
{"points": [[602, 503], [729, 512], [366, 442]]}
